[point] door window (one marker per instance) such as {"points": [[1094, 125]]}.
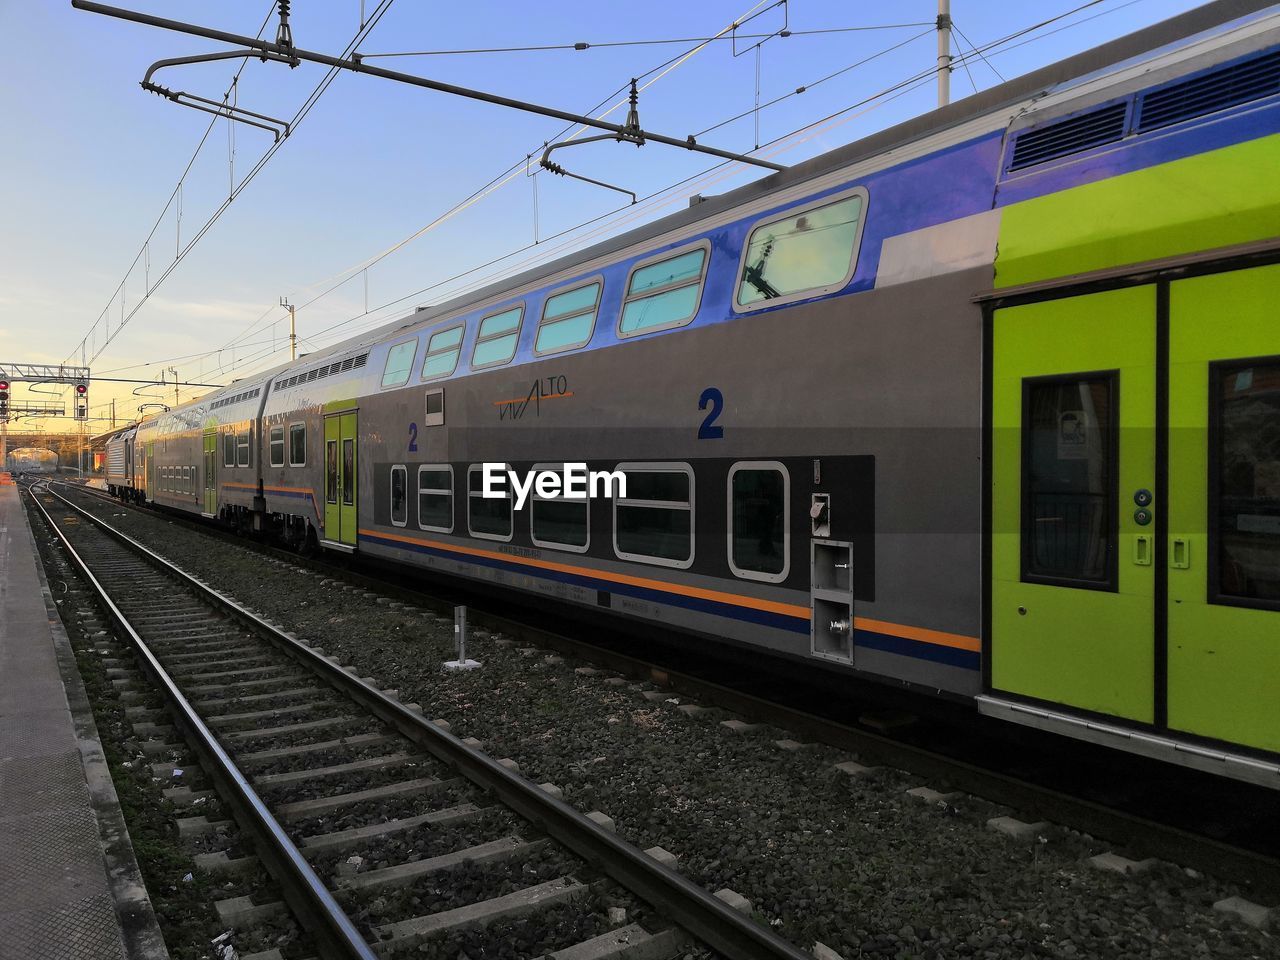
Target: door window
{"points": [[1245, 484], [348, 471], [331, 471], [758, 515], [1069, 452]]}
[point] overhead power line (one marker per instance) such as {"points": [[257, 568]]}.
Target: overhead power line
{"points": [[262, 161], [583, 45]]}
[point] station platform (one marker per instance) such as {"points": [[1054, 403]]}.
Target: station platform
{"points": [[70, 888]]}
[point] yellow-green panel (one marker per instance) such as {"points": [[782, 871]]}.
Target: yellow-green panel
{"points": [[349, 474], [1089, 649], [332, 521], [1214, 199], [1224, 661]]}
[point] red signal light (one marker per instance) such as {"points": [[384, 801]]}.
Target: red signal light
{"points": [[4, 384], [81, 389]]}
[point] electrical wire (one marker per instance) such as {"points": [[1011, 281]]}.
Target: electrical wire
{"points": [[889, 93], [990, 66], [582, 45], [262, 161]]}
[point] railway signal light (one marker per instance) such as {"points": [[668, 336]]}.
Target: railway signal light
{"points": [[4, 397], [81, 401]]}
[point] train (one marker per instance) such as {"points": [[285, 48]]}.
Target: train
{"points": [[984, 405], [31, 460]]}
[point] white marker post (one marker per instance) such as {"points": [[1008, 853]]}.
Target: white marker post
{"points": [[460, 634]]}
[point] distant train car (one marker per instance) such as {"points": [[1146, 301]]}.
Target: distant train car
{"points": [[31, 460], [119, 473], [984, 404]]}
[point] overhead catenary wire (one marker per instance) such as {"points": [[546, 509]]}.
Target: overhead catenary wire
{"points": [[902, 88], [583, 45], [262, 161]]}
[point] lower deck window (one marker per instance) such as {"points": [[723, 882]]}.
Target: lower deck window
{"points": [[242, 449], [435, 497], [399, 495], [1069, 453], [489, 518], [558, 523], [758, 521], [228, 449], [297, 444], [654, 523], [1245, 508]]}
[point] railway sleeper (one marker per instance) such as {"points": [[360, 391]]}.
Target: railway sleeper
{"points": [[341, 840], [263, 733], [300, 809], [387, 762], [212, 688], [505, 848], [394, 937], [632, 942], [211, 703], [359, 740], [226, 718]]}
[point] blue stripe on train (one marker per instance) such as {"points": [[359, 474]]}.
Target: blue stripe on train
{"points": [[902, 646]]}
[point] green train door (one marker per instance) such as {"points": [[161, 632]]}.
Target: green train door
{"points": [[1223, 643], [210, 472], [1073, 464], [340, 473]]}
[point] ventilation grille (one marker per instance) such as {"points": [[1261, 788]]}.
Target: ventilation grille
{"points": [[318, 373], [1065, 137], [228, 401], [1210, 92]]}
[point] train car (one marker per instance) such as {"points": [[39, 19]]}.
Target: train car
{"points": [[119, 473], [31, 461], [984, 404]]}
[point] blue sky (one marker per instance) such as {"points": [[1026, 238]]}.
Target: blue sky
{"points": [[90, 159]]}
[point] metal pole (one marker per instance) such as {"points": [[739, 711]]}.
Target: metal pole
{"points": [[356, 65], [293, 327], [460, 634], [944, 52]]}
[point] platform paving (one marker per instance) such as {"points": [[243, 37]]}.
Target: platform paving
{"points": [[70, 888]]}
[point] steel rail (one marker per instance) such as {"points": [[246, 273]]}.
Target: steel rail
{"points": [[707, 918], [305, 893], [356, 65], [1150, 836]]}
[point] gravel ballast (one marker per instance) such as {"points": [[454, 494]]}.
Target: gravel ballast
{"points": [[850, 861]]}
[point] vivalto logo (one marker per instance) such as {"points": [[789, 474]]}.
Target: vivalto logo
{"points": [[573, 482]]}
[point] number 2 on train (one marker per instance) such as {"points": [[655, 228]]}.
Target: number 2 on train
{"points": [[708, 430], [413, 438]]}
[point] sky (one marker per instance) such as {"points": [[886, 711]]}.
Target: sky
{"points": [[92, 218]]}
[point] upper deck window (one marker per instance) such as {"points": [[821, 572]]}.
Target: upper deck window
{"points": [[399, 363], [802, 254], [442, 353], [568, 319], [663, 294], [496, 341]]}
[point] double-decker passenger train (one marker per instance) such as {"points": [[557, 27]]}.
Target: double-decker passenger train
{"points": [[987, 403]]}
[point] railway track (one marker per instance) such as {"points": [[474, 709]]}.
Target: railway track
{"points": [[385, 832], [1076, 808]]}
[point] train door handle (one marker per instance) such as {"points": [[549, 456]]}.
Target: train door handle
{"points": [[1142, 550], [1180, 553]]}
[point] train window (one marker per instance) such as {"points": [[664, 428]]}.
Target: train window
{"points": [[663, 294], [556, 522], [228, 449], [399, 363], [568, 319], [759, 521], [496, 339], [1069, 476], [348, 471], [297, 444], [442, 353], [242, 449], [435, 497], [654, 523], [1244, 485], [277, 446], [488, 518], [433, 409], [399, 495], [331, 471], [801, 254]]}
